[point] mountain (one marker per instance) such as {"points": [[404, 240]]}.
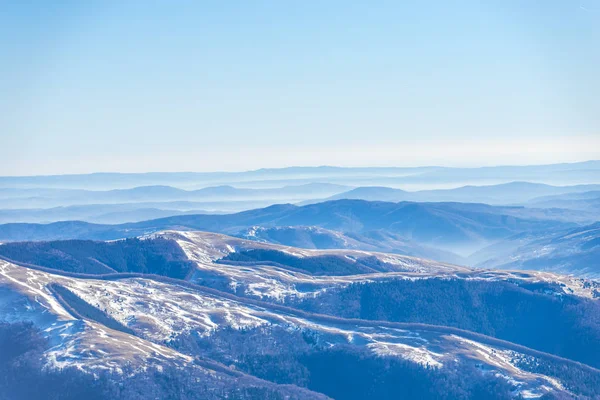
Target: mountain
{"points": [[81, 196], [594, 194], [584, 201], [311, 237], [104, 181], [456, 227], [48, 198], [573, 251], [97, 213], [221, 317], [374, 193], [298, 190], [150, 202], [502, 194]]}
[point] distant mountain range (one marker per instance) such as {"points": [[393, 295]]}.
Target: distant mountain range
{"points": [[505, 216], [43, 205], [558, 174], [505, 194], [455, 227], [104, 213], [585, 201], [18, 198]]}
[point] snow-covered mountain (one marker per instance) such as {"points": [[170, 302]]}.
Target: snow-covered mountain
{"points": [[270, 315]]}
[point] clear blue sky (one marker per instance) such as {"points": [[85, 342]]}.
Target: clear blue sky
{"points": [[234, 85]]}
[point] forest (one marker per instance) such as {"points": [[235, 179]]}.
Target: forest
{"points": [[539, 316], [315, 265], [151, 256]]}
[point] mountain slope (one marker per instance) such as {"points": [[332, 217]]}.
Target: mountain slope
{"points": [[118, 365], [312, 237], [234, 311], [224, 325], [456, 227], [575, 251]]}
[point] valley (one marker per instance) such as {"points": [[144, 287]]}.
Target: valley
{"points": [[260, 291]]}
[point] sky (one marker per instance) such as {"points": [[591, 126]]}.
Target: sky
{"points": [[136, 86]]}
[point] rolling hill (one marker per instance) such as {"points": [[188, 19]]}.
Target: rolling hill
{"points": [[456, 227], [255, 320]]}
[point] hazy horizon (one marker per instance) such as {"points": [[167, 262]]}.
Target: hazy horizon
{"points": [[137, 87], [314, 166]]}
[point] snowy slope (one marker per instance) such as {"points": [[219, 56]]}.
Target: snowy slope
{"points": [[162, 312], [268, 281], [158, 312]]}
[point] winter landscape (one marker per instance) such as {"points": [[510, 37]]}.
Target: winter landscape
{"points": [[359, 294], [299, 200]]}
